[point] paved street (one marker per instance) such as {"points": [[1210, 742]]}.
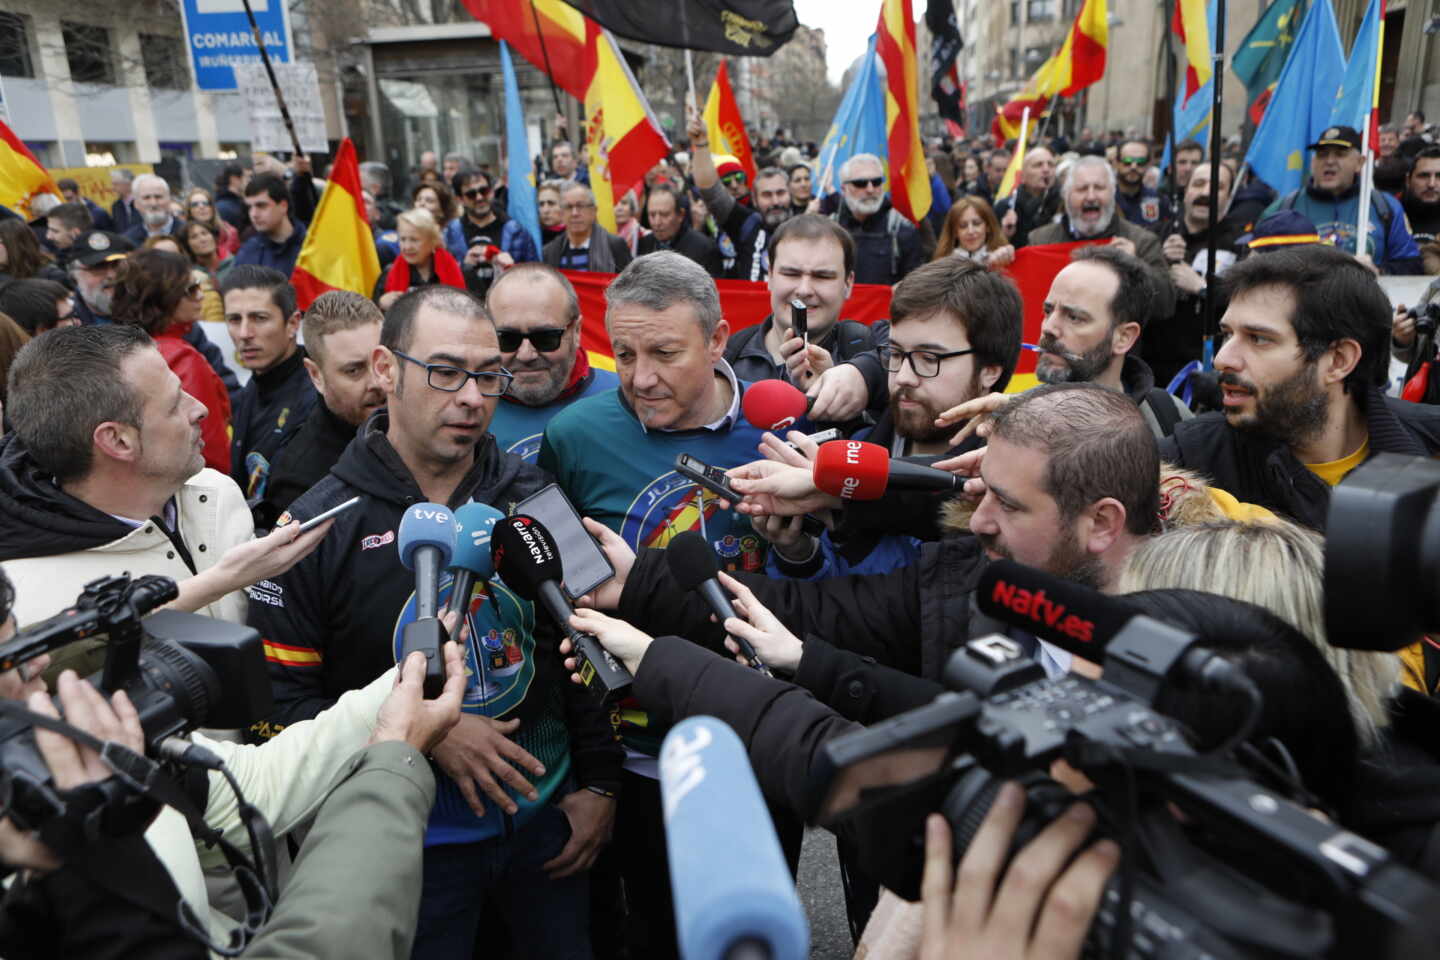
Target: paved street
{"points": [[824, 898]]}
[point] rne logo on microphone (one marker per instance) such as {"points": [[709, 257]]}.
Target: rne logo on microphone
{"points": [[852, 453], [1040, 608], [848, 486]]}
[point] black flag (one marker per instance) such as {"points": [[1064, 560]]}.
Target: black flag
{"points": [[945, 46], [742, 28]]}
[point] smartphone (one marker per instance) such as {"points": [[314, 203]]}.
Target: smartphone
{"points": [[799, 320], [333, 511], [583, 563], [819, 439], [711, 478]]}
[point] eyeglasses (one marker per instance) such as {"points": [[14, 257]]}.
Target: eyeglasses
{"points": [[1134, 161], [925, 363], [199, 202], [442, 376], [543, 340], [861, 182], [577, 207], [733, 178], [475, 192]]}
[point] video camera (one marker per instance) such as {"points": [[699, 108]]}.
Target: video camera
{"points": [[1215, 863], [169, 663]]}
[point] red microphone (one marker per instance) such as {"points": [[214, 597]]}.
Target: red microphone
{"points": [[773, 404], [856, 470]]}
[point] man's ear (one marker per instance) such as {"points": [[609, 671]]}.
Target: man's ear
{"points": [[990, 375], [118, 441], [387, 369], [292, 325], [718, 339], [1103, 525], [1340, 360], [313, 370], [1126, 336]]}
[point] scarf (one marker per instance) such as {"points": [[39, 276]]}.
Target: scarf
{"points": [[447, 271]]}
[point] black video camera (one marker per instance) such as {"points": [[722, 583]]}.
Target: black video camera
{"points": [[1243, 871], [180, 670]]}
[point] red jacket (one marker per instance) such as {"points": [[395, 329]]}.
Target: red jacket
{"points": [[201, 381]]}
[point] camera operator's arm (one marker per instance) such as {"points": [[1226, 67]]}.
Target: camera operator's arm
{"points": [[1402, 334], [248, 563], [1042, 906]]}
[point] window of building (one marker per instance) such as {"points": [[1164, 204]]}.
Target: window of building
{"points": [[87, 49], [15, 46], [1014, 11], [164, 61], [1040, 9]]}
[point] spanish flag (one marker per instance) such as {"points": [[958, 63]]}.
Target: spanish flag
{"points": [[339, 251], [724, 124], [551, 34], [895, 44], [622, 137], [1191, 27], [1077, 64], [22, 177]]}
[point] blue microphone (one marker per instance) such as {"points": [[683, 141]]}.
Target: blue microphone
{"points": [[734, 896], [426, 542], [472, 562]]}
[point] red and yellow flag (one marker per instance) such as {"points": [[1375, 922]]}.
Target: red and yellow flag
{"points": [[1079, 62], [22, 177], [339, 251], [622, 138], [895, 43], [724, 124], [1191, 27], [551, 34]]}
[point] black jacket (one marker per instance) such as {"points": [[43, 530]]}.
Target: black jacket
{"points": [[37, 518], [1259, 469], [875, 645], [1397, 789], [1424, 218], [265, 417], [1031, 211], [886, 248], [747, 354], [231, 208], [1169, 343], [689, 243], [307, 458], [329, 623], [555, 249]]}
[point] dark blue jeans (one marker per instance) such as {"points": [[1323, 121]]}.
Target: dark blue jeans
{"points": [[503, 878]]}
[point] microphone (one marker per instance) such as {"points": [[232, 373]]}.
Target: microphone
{"points": [[733, 893], [693, 565], [774, 404], [1073, 617], [472, 562], [524, 554], [426, 542], [856, 470]]}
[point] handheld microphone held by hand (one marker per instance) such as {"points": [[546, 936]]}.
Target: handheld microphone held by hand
{"points": [[856, 470], [733, 893], [426, 542], [774, 404], [524, 555], [472, 562], [693, 565]]}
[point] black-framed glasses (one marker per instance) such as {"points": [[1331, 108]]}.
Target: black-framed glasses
{"points": [[543, 340], [452, 379], [925, 363], [861, 182]]}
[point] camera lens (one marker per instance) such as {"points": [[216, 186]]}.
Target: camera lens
{"points": [[170, 668]]}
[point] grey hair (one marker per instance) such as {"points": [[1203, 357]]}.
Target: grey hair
{"points": [[849, 165], [658, 281], [1277, 565], [1085, 163], [459, 158], [127, 175], [567, 185], [144, 178]]}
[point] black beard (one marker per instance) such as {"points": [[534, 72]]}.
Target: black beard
{"points": [[1079, 367], [1292, 411]]}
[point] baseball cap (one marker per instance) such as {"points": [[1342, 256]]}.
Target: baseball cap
{"points": [[726, 165], [1283, 228], [1337, 137], [95, 247]]}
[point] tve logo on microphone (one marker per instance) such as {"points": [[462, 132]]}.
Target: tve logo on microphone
{"points": [[438, 516], [681, 766]]}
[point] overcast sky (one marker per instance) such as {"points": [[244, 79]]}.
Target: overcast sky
{"points": [[847, 25]]}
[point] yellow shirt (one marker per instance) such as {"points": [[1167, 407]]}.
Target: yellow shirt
{"points": [[1334, 471]]}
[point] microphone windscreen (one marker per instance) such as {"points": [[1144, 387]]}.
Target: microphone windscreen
{"points": [[728, 875], [426, 525], [1067, 614], [475, 523], [852, 469], [691, 560], [523, 553], [773, 404]]}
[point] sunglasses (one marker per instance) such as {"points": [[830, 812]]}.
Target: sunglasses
{"points": [[475, 192], [1134, 161], [194, 290], [734, 178], [867, 182], [544, 340]]}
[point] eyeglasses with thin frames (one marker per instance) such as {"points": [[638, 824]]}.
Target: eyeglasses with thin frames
{"points": [[452, 379]]}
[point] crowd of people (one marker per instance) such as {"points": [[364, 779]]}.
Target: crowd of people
{"points": [[524, 816]]}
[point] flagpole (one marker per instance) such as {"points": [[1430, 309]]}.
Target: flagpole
{"points": [[1362, 232], [545, 55], [1170, 99], [274, 83], [1020, 150], [1217, 76]]}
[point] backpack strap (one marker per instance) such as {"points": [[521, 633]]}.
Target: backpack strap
{"points": [[1162, 405]]}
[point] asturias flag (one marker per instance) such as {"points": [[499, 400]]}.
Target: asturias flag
{"points": [[1357, 91], [858, 127], [895, 45], [520, 203], [725, 125], [22, 177], [1300, 107], [1263, 53], [339, 251]]}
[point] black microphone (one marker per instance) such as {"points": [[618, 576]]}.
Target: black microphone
{"points": [[693, 565], [525, 557]]}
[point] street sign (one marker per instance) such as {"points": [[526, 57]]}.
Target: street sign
{"points": [[218, 35], [302, 96]]}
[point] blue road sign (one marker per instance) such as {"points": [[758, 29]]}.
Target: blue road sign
{"points": [[219, 37]]}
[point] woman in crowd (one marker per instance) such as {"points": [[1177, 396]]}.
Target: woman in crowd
{"points": [[199, 208], [801, 191], [37, 304], [21, 257], [968, 183], [165, 242], [200, 241], [437, 198], [627, 225], [12, 338], [423, 259], [157, 291], [547, 202], [971, 232]]}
